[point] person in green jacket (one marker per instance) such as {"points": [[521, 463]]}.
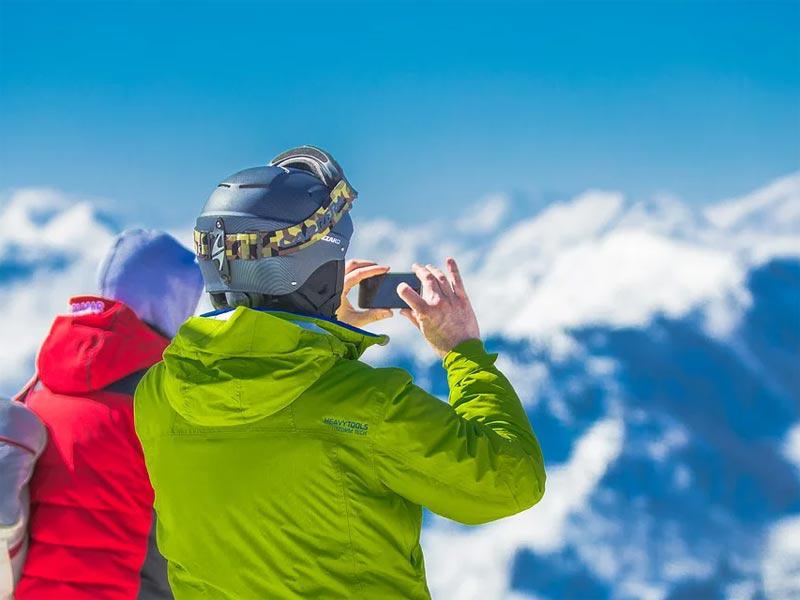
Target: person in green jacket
{"points": [[284, 466]]}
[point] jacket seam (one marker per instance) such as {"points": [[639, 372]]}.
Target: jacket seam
{"points": [[371, 447], [424, 472], [359, 585], [227, 430], [452, 484], [513, 495]]}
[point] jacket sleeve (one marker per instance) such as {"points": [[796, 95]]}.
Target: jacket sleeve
{"points": [[474, 460]]}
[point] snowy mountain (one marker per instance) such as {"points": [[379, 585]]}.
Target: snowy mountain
{"points": [[654, 345], [656, 348]]}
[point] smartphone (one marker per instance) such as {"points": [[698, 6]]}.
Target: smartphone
{"points": [[381, 291]]}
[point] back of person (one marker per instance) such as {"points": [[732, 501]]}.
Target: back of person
{"points": [[262, 475], [90, 495], [284, 467], [91, 499], [279, 472]]}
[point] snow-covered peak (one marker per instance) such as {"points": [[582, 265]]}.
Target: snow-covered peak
{"points": [[601, 260], [772, 209], [593, 260], [671, 454]]}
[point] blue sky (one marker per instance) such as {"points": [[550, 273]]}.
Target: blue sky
{"points": [[428, 106]]}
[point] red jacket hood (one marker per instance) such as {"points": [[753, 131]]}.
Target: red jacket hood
{"points": [[101, 342]]}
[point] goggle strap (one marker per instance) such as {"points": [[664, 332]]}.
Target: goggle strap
{"points": [[252, 245]]}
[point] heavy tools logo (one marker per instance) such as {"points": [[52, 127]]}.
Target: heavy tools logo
{"points": [[346, 426]]}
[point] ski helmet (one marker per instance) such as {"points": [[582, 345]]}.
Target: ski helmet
{"points": [[276, 236]]}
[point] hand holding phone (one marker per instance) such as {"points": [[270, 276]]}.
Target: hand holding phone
{"points": [[436, 303], [442, 311], [356, 271], [380, 291]]}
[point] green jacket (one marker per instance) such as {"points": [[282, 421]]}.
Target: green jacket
{"points": [[284, 467]]}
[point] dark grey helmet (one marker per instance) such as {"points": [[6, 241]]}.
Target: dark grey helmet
{"points": [[276, 236]]}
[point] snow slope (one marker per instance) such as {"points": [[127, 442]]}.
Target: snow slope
{"points": [[654, 345]]}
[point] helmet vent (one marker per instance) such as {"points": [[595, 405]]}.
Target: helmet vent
{"points": [[301, 167]]}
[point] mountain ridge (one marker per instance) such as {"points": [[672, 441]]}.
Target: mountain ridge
{"points": [[654, 346]]}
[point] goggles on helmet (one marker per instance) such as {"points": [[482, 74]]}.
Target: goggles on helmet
{"points": [[220, 246]]}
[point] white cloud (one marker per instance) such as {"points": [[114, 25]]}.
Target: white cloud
{"points": [[623, 279], [43, 221], [528, 378], [773, 208], [682, 477], [673, 438], [596, 260], [791, 445], [43, 228], [741, 590], [780, 569], [475, 563], [593, 260], [484, 216], [56, 242]]}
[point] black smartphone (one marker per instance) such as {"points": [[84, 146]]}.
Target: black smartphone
{"points": [[381, 291]]}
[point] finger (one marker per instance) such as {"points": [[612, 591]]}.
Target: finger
{"points": [[357, 263], [376, 314], [455, 277], [412, 298], [363, 273], [344, 303], [428, 281], [356, 276], [444, 283], [409, 314]]}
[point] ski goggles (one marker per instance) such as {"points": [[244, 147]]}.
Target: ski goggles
{"points": [[253, 245]]}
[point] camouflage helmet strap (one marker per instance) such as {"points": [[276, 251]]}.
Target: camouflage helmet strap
{"points": [[220, 247]]}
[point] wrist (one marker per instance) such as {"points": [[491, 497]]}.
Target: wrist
{"points": [[471, 348]]}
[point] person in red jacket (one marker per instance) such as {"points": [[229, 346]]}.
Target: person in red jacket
{"points": [[91, 500]]}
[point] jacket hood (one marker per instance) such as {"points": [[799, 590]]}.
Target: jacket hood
{"points": [[244, 365], [99, 343]]}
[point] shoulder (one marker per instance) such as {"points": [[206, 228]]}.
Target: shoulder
{"points": [[149, 400], [351, 390], [383, 381], [150, 381]]}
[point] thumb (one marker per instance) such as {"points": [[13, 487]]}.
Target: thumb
{"points": [[377, 314]]}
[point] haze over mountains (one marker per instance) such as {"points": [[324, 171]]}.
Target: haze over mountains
{"points": [[654, 345]]}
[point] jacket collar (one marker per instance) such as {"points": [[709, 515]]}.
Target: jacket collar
{"points": [[347, 333]]}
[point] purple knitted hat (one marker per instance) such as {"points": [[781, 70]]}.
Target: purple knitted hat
{"points": [[154, 275]]}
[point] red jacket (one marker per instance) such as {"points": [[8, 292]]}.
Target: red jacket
{"points": [[91, 500]]}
